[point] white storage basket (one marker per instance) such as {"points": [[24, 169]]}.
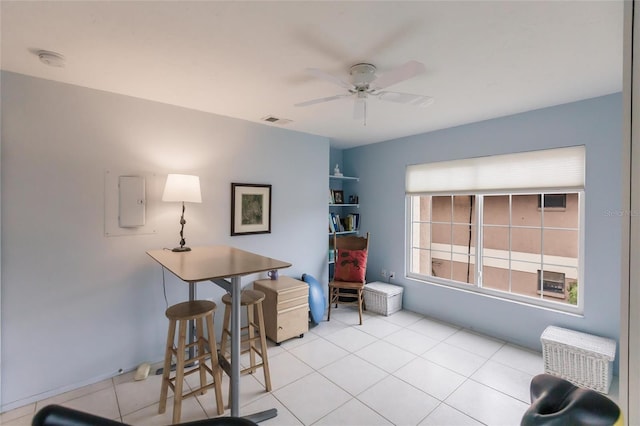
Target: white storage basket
{"points": [[383, 298], [583, 359]]}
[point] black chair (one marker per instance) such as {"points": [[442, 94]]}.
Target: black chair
{"points": [[557, 402], [56, 415]]}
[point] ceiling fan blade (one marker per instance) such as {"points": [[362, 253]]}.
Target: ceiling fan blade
{"points": [[320, 100], [328, 77], [406, 98], [401, 73]]}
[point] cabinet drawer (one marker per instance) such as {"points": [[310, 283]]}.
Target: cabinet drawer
{"points": [[291, 323], [293, 293], [297, 302]]}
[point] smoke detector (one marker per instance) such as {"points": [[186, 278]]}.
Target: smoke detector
{"points": [[52, 59]]}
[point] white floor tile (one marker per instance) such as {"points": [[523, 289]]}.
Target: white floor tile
{"points": [[68, 396], [311, 397], [285, 368], [454, 358], [134, 395], [391, 370], [324, 328], [295, 342], [348, 315], [505, 379], [411, 341], [250, 390], [474, 342], [318, 353], [353, 413], [431, 378], [267, 402], [353, 374], [445, 415], [520, 358], [102, 403], [403, 318], [26, 410], [487, 405], [351, 339], [18, 421], [409, 409], [378, 327], [434, 329], [148, 416], [385, 355]]}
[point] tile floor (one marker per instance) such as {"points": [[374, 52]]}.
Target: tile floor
{"points": [[404, 369]]}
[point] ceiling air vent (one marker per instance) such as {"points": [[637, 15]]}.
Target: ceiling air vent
{"points": [[276, 120]]}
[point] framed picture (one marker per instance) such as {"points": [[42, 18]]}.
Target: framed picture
{"points": [[338, 197], [250, 209]]}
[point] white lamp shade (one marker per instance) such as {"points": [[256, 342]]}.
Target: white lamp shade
{"points": [[183, 188]]}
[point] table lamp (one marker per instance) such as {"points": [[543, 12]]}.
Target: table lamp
{"points": [[182, 188]]}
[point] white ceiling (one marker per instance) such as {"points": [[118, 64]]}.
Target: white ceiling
{"points": [[248, 59]]}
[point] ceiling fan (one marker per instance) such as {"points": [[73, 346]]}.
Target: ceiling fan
{"points": [[366, 83]]}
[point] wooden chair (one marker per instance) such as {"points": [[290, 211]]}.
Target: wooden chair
{"points": [[347, 292]]}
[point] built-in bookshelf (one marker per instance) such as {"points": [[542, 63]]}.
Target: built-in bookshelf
{"points": [[344, 217]]}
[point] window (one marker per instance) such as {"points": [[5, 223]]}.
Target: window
{"points": [[558, 201], [552, 282], [522, 244]]}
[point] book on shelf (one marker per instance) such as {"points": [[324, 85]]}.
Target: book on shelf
{"points": [[334, 222], [352, 222]]}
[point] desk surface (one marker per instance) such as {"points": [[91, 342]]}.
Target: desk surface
{"points": [[208, 263]]}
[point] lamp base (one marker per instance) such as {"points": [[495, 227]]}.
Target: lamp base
{"points": [[181, 249]]}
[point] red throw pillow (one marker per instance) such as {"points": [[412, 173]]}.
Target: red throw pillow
{"points": [[350, 265]]}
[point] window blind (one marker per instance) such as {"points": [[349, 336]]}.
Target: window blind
{"points": [[560, 168]]}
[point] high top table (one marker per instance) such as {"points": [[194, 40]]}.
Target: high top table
{"points": [[219, 264]]}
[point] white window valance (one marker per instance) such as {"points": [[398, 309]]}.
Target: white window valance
{"points": [[537, 171]]}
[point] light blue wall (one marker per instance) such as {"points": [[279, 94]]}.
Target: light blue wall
{"points": [[78, 306], [596, 123]]}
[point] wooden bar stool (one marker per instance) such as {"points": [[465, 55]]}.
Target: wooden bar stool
{"points": [[252, 300], [179, 315]]}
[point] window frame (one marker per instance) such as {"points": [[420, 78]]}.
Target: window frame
{"points": [[477, 287]]}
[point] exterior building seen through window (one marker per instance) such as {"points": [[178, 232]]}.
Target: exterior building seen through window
{"points": [[520, 246]]}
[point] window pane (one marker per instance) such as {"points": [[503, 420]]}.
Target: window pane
{"points": [[565, 218], [464, 236], [524, 210], [524, 278], [421, 262], [496, 277], [526, 240], [463, 268], [572, 285], [441, 233], [464, 208], [422, 208], [495, 238], [441, 209], [496, 209], [441, 264], [561, 243], [421, 235]]}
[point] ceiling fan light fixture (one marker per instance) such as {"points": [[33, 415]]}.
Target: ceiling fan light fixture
{"points": [[363, 74]]}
